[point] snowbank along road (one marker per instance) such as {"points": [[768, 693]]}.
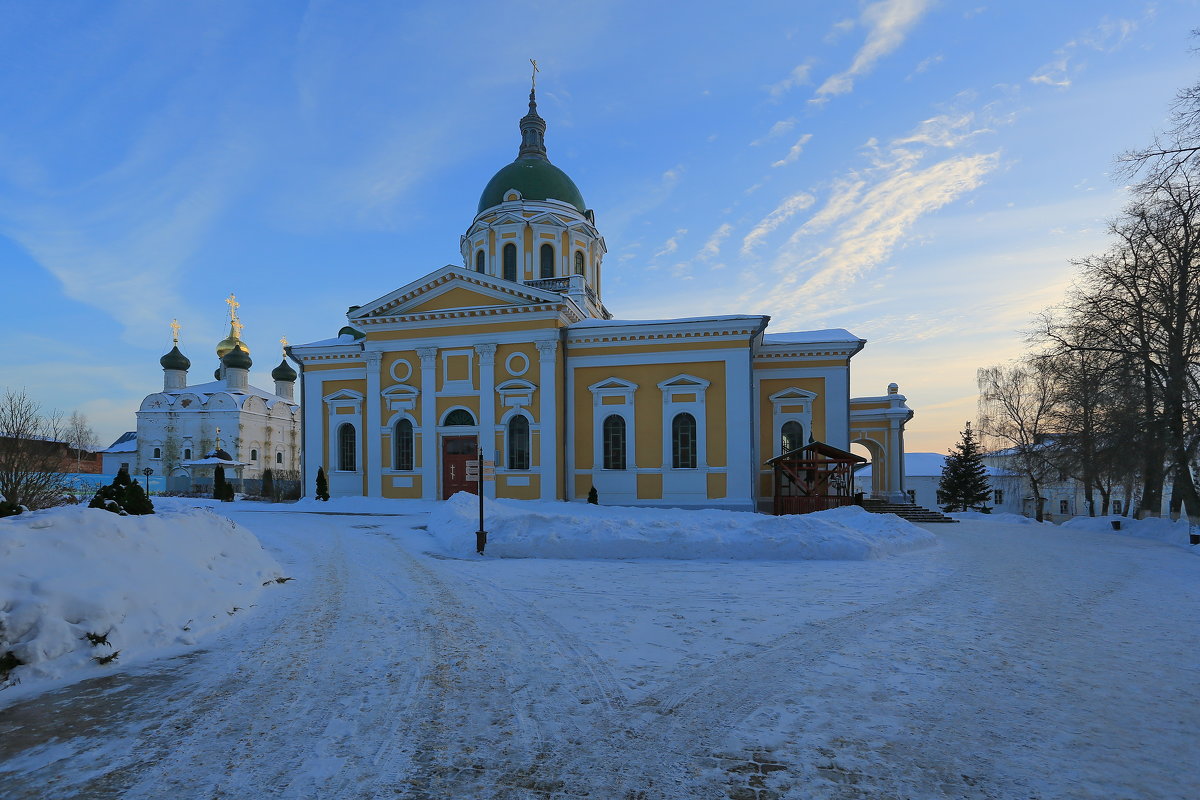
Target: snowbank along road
{"points": [[1009, 662]]}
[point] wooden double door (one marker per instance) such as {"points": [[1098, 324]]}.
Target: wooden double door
{"points": [[457, 453]]}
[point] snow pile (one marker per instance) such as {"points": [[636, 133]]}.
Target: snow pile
{"points": [[526, 529], [143, 582], [1007, 519], [1159, 529]]}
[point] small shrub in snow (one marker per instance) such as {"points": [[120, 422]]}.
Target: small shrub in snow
{"points": [[593, 496], [108, 659], [9, 509], [122, 499], [268, 485], [97, 639]]}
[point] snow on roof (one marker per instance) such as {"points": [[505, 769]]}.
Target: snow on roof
{"points": [[811, 337], [125, 443], [219, 387], [927, 465], [608, 323]]}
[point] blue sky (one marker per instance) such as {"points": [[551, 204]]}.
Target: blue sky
{"points": [[918, 172]]}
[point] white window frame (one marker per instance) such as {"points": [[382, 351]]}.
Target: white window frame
{"points": [[684, 384], [613, 387]]}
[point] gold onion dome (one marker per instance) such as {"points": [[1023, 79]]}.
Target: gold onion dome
{"points": [[230, 342]]}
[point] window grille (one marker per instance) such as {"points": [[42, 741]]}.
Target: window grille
{"points": [[613, 440], [518, 443], [683, 441]]}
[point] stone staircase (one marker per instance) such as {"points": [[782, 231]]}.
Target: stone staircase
{"points": [[908, 511]]}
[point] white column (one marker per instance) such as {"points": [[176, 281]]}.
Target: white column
{"points": [[547, 423], [372, 438], [895, 463], [314, 446], [487, 407], [429, 461]]}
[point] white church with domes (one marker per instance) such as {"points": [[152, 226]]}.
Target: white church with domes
{"points": [[185, 430], [514, 354]]}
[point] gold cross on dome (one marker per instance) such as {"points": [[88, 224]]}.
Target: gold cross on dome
{"points": [[218, 447], [283, 344], [175, 330], [535, 71], [236, 325], [233, 304]]}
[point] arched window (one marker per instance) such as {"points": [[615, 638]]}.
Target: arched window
{"points": [[347, 448], [157, 452], [613, 442], [547, 258], [510, 262], [254, 455], [187, 453], [279, 457], [791, 436], [518, 443], [479, 261], [683, 441], [459, 416], [402, 439], [578, 262]]}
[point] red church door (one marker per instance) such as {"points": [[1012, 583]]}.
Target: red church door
{"points": [[457, 452]]}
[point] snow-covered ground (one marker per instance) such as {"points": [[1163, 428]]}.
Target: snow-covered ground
{"points": [[1008, 661]]}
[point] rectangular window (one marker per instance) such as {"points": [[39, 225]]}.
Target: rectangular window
{"points": [[1116, 506], [1063, 505], [998, 496]]}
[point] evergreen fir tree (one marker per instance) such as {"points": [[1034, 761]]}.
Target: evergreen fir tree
{"points": [[593, 496], [964, 484], [122, 478], [218, 482], [322, 485], [268, 484]]}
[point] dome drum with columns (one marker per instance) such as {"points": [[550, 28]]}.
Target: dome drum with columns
{"points": [[178, 426], [513, 354], [533, 227]]}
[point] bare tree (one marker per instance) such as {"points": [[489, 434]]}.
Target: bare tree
{"points": [[31, 453], [80, 436], [1016, 408]]}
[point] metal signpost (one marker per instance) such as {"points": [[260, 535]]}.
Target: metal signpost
{"points": [[477, 472]]}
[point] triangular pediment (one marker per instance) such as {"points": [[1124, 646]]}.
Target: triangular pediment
{"points": [[453, 288]]}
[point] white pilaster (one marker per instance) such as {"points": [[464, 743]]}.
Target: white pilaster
{"points": [[548, 418], [371, 436], [429, 461], [314, 451], [739, 439], [487, 407]]}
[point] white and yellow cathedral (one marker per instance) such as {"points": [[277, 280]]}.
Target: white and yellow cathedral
{"points": [[515, 354]]}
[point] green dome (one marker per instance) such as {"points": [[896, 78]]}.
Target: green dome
{"points": [[237, 358], [284, 372], [535, 179], [175, 360]]}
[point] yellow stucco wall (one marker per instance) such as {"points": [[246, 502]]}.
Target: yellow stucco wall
{"points": [[648, 410]]}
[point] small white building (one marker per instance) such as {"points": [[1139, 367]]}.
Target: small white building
{"points": [[184, 423], [121, 453], [923, 475]]}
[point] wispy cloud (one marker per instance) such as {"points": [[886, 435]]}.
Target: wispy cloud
{"points": [[1106, 37], [925, 65], [672, 244], [778, 129], [712, 248], [888, 22], [944, 130], [797, 77], [794, 152], [782, 213]]}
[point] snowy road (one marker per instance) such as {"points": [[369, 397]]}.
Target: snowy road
{"points": [[1010, 662]]}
